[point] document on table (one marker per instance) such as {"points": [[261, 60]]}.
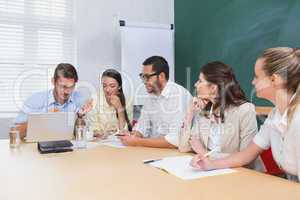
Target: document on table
{"points": [[89, 144], [180, 166], [112, 141]]}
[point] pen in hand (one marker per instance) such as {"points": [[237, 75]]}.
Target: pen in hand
{"points": [[208, 154]]}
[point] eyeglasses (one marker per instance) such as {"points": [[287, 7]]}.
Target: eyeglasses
{"points": [[146, 77]]}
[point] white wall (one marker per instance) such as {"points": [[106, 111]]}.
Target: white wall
{"points": [[4, 127], [97, 30], [97, 27]]}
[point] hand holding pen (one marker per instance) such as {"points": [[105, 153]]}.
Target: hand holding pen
{"points": [[202, 162]]}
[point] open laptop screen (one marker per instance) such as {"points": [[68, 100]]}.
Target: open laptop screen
{"points": [[50, 126]]}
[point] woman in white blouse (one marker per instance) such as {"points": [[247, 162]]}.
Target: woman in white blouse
{"points": [[111, 112], [277, 78], [220, 118]]}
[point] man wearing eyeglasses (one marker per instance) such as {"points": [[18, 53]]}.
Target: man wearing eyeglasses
{"points": [[62, 98], [163, 111]]}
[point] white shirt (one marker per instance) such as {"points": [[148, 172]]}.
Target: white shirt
{"points": [[163, 115], [275, 133], [214, 141], [271, 134], [291, 146]]}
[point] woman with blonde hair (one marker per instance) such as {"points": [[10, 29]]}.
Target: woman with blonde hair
{"points": [[277, 78]]}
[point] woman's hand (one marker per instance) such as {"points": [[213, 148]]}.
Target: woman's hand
{"points": [[115, 102], [197, 145], [199, 103], [202, 163]]}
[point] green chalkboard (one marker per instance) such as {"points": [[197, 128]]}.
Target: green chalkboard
{"points": [[233, 31]]}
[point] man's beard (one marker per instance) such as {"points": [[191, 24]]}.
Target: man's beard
{"points": [[157, 87], [66, 96]]}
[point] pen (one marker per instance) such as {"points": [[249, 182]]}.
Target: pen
{"points": [[120, 134], [208, 154], [150, 161]]}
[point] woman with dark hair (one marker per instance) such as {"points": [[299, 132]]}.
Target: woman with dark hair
{"points": [[220, 119], [110, 114], [277, 79]]}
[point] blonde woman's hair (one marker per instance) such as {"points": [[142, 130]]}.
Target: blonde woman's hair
{"points": [[285, 61]]}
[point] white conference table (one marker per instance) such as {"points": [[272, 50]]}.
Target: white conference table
{"points": [[106, 173]]}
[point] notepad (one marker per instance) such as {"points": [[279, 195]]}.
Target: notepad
{"points": [[179, 166]]}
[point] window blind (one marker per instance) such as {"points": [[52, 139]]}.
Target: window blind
{"points": [[35, 35]]}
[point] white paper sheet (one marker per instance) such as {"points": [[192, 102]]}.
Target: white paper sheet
{"points": [[91, 145], [180, 166], [112, 141]]}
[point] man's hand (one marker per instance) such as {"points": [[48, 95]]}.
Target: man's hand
{"points": [[22, 127], [130, 140], [99, 134], [87, 107]]}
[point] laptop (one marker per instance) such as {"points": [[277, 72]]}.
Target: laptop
{"points": [[50, 126]]}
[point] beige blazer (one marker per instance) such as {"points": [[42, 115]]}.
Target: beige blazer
{"points": [[240, 127]]}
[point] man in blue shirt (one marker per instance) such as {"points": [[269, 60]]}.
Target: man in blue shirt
{"points": [[62, 98]]}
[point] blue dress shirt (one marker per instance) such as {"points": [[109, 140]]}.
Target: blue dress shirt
{"points": [[43, 102]]}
